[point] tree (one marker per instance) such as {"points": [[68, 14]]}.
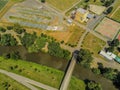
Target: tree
{"points": [[114, 43], [86, 0], [109, 10], [96, 70], [92, 85], [85, 57], [43, 1], [28, 39], [110, 49]]}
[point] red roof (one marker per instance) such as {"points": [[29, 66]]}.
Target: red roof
{"points": [[119, 37]]}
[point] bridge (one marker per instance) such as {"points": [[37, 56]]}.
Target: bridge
{"points": [[68, 73]]}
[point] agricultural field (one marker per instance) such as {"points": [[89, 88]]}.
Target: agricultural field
{"points": [[33, 16], [62, 4], [3, 3], [116, 15], [108, 28], [6, 83], [40, 73], [93, 43]]}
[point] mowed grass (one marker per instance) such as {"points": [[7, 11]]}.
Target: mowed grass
{"points": [[43, 74], [62, 4], [93, 43], [116, 5], [6, 81], [116, 16], [77, 32]]}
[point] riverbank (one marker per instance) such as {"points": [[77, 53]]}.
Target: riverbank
{"points": [[43, 74]]}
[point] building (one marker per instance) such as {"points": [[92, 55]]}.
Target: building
{"points": [[104, 54], [81, 15], [110, 56]]}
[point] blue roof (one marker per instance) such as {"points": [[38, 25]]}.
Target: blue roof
{"points": [[117, 59]]}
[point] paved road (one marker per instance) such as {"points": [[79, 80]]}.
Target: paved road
{"points": [[26, 81], [92, 23], [68, 74]]}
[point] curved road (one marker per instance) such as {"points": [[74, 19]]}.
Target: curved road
{"points": [[26, 81]]}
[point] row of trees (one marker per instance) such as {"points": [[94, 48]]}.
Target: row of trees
{"points": [[85, 58], [8, 40], [55, 49], [109, 73]]}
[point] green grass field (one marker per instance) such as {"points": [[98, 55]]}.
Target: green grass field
{"points": [[62, 4], [43, 74], [93, 43], [7, 82], [116, 5], [116, 16], [3, 3]]}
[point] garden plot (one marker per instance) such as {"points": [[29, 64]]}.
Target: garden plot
{"points": [[108, 28], [34, 16]]}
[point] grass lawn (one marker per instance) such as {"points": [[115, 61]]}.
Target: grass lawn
{"points": [[43, 74], [3, 3], [76, 35], [93, 43], [116, 15], [62, 4], [116, 5], [14, 85]]}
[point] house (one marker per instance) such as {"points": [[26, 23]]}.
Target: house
{"points": [[104, 54], [81, 15], [110, 56]]}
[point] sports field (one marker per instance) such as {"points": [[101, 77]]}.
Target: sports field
{"points": [[62, 4], [108, 28]]}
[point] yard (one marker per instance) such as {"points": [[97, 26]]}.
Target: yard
{"points": [[62, 4], [14, 85], [40, 73], [108, 28], [93, 43], [116, 15]]}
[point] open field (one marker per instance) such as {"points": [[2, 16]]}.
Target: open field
{"points": [[6, 81], [70, 36], [43, 74], [116, 15], [76, 35], [62, 4], [108, 28], [35, 16], [93, 43], [3, 3]]}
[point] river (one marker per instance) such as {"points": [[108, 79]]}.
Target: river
{"points": [[58, 63]]}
